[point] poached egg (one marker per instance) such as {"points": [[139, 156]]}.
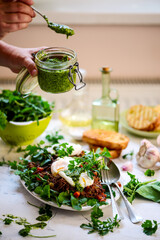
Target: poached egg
{"points": [[61, 164]]}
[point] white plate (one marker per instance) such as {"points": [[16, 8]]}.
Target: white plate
{"points": [[65, 207], [147, 134]]}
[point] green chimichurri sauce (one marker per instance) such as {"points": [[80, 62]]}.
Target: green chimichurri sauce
{"points": [[58, 28], [55, 81]]}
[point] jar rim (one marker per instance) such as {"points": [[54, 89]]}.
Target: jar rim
{"points": [[55, 51]]}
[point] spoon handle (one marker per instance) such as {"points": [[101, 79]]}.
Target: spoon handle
{"points": [[131, 212], [114, 205], [37, 11]]}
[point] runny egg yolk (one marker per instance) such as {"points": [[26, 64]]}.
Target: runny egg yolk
{"points": [[85, 180]]}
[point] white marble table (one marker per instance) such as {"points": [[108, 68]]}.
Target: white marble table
{"points": [[66, 224]]}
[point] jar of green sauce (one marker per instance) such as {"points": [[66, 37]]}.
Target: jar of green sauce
{"points": [[57, 72]]}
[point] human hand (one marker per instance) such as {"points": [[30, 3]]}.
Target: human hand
{"points": [[15, 15], [16, 58], [22, 57]]}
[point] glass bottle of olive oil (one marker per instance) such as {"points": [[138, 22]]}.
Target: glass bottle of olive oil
{"points": [[105, 111]]}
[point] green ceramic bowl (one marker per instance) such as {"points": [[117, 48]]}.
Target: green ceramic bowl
{"points": [[23, 133]]}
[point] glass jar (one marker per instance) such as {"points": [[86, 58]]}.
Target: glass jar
{"points": [[57, 71]]}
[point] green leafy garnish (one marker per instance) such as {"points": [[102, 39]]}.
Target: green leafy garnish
{"points": [[3, 120], [14, 107], [149, 173], [9, 218], [101, 227], [45, 212], [3, 163], [131, 187], [7, 221], [150, 191], [128, 154], [149, 228], [25, 231], [54, 138], [63, 150]]}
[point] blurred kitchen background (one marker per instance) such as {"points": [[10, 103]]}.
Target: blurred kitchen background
{"points": [[124, 35]]}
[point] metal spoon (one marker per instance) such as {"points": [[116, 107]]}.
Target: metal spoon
{"points": [[58, 28], [105, 180], [113, 176]]}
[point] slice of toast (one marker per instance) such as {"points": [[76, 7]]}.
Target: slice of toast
{"points": [[142, 117], [114, 153], [157, 128], [103, 138]]}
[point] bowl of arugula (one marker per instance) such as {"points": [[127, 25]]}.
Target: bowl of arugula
{"points": [[23, 119]]}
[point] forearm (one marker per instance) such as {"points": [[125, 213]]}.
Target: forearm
{"points": [[16, 58], [5, 52]]}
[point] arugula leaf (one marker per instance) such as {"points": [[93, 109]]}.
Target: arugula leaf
{"points": [[54, 139], [14, 107], [96, 212], [75, 203], [44, 192], [149, 228], [62, 150], [105, 153], [3, 120], [13, 164], [149, 173], [63, 198]]}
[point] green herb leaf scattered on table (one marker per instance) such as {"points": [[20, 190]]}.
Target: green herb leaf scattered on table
{"points": [[101, 227], [9, 218], [130, 189], [150, 191], [15, 107], [128, 154], [149, 173], [149, 228]]}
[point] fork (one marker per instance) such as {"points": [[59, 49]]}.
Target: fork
{"points": [[105, 181]]}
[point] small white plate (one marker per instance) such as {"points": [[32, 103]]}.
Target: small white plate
{"points": [[146, 134], [65, 207]]}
